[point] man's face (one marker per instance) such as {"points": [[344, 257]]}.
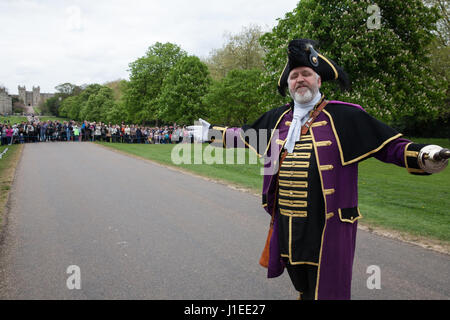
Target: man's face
{"points": [[304, 84]]}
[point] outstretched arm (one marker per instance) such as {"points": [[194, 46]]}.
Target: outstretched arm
{"points": [[226, 137], [419, 159]]}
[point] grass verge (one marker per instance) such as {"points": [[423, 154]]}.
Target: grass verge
{"points": [[52, 118], [244, 175], [389, 197], [11, 120], [8, 165]]}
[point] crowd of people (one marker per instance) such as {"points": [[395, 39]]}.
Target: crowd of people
{"points": [[41, 131]]}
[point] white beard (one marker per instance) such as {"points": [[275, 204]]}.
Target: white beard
{"points": [[303, 98]]}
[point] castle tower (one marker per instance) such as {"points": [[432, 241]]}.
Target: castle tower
{"points": [[36, 96], [5, 102], [22, 94]]}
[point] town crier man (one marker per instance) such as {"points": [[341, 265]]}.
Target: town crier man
{"points": [[310, 183]]}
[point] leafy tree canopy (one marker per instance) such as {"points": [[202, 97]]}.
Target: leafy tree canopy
{"points": [[234, 100], [389, 66], [146, 78], [240, 51], [182, 90]]}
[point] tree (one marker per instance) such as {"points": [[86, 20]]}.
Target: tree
{"points": [[63, 91], [389, 66], [94, 103], [241, 51], [98, 101], [119, 87], [234, 100], [440, 47], [182, 90], [440, 65], [443, 24], [70, 107], [146, 77], [115, 113], [52, 105], [68, 89]]}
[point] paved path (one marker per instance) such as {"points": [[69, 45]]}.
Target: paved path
{"points": [[141, 231]]}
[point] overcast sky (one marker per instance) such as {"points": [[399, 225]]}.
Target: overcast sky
{"points": [[49, 42]]}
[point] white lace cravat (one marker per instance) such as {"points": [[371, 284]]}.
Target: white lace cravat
{"points": [[301, 112]]}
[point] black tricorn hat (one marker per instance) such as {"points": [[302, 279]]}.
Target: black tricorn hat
{"points": [[302, 53]]}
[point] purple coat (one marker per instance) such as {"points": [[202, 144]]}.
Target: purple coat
{"points": [[337, 161]]}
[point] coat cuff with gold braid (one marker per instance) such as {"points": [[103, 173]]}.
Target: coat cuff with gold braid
{"points": [[412, 159], [217, 136]]}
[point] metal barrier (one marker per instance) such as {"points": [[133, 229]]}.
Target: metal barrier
{"points": [[3, 153], [24, 138]]}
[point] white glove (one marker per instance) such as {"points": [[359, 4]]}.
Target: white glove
{"points": [[205, 128], [433, 152], [200, 130], [427, 163]]}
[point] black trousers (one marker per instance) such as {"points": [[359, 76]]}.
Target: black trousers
{"points": [[304, 279]]}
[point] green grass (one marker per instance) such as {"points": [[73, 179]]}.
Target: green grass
{"points": [[52, 118], [5, 161], [37, 110], [445, 143], [7, 167], [246, 175], [389, 196], [392, 198], [19, 119], [13, 119]]}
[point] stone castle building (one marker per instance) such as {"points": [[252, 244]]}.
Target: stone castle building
{"points": [[33, 98], [5, 102]]}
